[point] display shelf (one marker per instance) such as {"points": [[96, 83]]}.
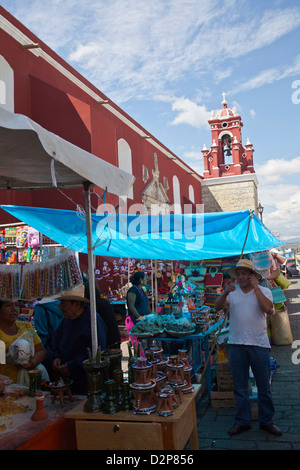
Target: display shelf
{"points": [[128, 431]]}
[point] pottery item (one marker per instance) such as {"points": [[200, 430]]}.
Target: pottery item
{"points": [[40, 413], [145, 402]]}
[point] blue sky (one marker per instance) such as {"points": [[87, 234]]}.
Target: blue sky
{"points": [[167, 62]]}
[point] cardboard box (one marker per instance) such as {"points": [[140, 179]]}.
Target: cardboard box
{"points": [[224, 376], [222, 399]]}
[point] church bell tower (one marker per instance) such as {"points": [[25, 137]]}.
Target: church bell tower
{"points": [[227, 155], [229, 180]]}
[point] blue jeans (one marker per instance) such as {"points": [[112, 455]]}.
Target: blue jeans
{"points": [[241, 357]]}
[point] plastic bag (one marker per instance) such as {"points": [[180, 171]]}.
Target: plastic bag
{"points": [[23, 378], [21, 350]]}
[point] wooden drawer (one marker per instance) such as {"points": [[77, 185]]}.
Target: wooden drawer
{"points": [[114, 435]]}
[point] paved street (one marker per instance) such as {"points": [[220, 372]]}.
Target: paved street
{"points": [[213, 424]]}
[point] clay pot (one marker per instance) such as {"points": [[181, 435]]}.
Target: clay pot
{"points": [[40, 413], [166, 401], [142, 372], [145, 402], [175, 371]]}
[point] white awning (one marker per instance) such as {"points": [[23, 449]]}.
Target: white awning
{"points": [[32, 157]]}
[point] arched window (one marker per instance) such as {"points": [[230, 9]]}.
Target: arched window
{"points": [[6, 85], [226, 143], [176, 195], [191, 194], [125, 160]]}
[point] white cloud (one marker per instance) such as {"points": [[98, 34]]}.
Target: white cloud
{"points": [[128, 47], [282, 209], [268, 76], [190, 113], [194, 159], [280, 198], [275, 170], [220, 75]]}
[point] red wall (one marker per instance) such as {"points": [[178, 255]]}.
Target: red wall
{"points": [[57, 104]]}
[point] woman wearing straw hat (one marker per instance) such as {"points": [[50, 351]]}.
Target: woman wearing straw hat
{"points": [[73, 338], [249, 346]]}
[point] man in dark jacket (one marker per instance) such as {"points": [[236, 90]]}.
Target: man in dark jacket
{"points": [[73, 338]]}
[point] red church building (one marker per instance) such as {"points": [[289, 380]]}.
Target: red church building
{"points": [[36, 82]]}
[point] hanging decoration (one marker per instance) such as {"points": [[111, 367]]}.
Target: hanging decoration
{"points": [[49, 278], [10, 282]]}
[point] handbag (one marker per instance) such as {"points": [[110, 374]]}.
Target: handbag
{"points": [[213, 280], [282, 281], [261, 260], [195, 273], [281, 328], [213, 262], [278, 295], [229, 263], [210, 299]]}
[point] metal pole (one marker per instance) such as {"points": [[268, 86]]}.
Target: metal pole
{"points": [[156, 293], [91, 270], [152, 288]]}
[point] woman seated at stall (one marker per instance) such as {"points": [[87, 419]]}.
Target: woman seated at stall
{"points": [[26, 354]]}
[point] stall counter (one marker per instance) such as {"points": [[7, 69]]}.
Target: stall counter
{"points": [[19, 432]]}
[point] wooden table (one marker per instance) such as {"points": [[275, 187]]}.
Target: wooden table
{"points": [[128, 431], [18, 431]]}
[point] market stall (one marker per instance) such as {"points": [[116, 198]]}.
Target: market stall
{"points": [[34, 158], [223, 235], [48, 161]]}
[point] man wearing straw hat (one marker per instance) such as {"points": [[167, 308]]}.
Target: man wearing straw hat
{"points": [[249, 346], [73, 338]]}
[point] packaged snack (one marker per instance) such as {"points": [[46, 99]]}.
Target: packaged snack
{"points": [[15, 390]]}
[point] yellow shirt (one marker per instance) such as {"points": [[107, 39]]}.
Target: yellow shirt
{"points": [[11, 370]]}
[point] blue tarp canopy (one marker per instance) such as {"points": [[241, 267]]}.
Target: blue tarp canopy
{"points": [[166, 237]]}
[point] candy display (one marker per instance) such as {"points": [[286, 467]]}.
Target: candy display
{"points": [[22, 236], [38, 280], [50, 278], [10, 281], [20, 244]]}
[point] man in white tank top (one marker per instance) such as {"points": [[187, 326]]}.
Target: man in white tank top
{"points": [[249, 346]]}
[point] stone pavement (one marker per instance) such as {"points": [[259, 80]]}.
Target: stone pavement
{"points": [[213, 423]]}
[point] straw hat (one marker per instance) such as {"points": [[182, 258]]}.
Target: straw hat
{"points": [[75, 294], [243, 264]]}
